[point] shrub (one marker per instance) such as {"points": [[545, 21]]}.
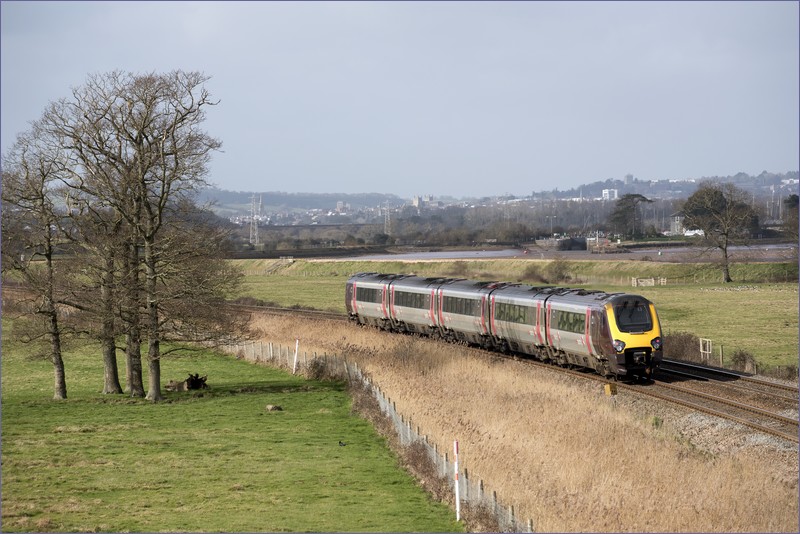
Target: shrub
{"points": [[532, 274], [317, 369], [459, 269], [744, 361], [558, 271], [682, 346]]}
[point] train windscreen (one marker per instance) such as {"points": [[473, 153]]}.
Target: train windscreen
{"points": [[633, 316]]}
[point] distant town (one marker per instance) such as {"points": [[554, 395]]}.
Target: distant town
{"points": [[576, 210]]}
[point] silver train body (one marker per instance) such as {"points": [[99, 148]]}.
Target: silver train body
{"points": [[616, 334]]}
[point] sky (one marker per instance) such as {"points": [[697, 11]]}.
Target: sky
{"points": [[447, 98]]}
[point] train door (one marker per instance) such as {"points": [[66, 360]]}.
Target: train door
{"points": [[540, 321], [485, 314], [433, 308], [386, 291], [350, 298], [587, 328], [440, 309], [601, 339]]}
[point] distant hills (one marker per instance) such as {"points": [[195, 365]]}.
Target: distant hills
{"points": [[235, 202], [229, 203], [666, 189]]}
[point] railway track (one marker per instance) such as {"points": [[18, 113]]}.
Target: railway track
{"points": [[725, 404], [754, 402], [758, 404], [741, 381]]}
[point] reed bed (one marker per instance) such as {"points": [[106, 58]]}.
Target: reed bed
{"points": [[559, 450]]}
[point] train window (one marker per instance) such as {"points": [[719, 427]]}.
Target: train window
{"points": [[633, 317], [513, 313], [368, 294], [462, 306], [569, 321], [411, 300]]}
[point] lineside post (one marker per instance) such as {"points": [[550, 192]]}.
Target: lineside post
{"points": [[296, 348], [455, 469]]}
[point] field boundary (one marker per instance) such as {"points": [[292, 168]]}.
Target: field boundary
{"points": [[472, 489]]}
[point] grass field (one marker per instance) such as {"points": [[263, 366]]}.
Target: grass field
{"points": [[207, 461], [760, 318]]}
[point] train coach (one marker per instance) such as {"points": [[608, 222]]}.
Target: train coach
{"points": [[616, 334]]}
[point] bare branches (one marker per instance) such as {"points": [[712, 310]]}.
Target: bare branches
{"points": [[722, 212], [115, 162]]}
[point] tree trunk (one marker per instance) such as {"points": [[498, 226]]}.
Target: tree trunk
{"points": [[60, 386], [726, 266], [153, 329], [154, 366], [111, 372], [133, 351], [111, 383], [50, 311]]}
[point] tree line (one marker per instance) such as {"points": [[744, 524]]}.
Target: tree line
{"points": [[100, 224]]}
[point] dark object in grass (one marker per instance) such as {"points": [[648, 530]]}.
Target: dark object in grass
{"points": [[195, 381]]}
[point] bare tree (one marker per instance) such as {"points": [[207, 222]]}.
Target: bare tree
{"points": [[31, 233], [99, 235], [722, 212], [135, 145]]}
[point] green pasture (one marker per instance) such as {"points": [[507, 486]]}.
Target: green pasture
{"points": [[754, 314], [207, 461]]}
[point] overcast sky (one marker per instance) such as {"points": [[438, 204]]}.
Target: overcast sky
{"points": [[440, 98]]}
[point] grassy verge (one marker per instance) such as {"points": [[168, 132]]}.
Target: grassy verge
{"points": [[213, 460], [760, 318]]}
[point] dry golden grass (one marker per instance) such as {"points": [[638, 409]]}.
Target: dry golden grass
{"points": [[557, 448]]}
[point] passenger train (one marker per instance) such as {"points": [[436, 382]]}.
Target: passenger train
{"points": [[616, 334]]}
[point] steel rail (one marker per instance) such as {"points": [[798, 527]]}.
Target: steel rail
{"points": [[733, 374], [733, 385]]}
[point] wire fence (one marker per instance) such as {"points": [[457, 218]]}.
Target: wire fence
{"points": [[472, 490]]}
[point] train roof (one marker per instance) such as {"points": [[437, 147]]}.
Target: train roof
{"points": [[566, 294], [507, 289], [402, 280]]}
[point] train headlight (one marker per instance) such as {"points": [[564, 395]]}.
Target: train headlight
{"points": [[619, 346], [657, 343]]}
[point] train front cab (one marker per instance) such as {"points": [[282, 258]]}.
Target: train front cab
{"points": [[635, 332]]}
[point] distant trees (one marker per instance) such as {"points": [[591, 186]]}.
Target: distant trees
{"points": [[624, 217], [724, 215], [118, 165], [790, 218]]}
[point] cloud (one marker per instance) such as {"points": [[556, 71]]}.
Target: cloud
{"points": [[429, 97]]}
